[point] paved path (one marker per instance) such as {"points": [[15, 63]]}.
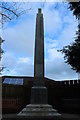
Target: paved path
{"points": [[65, 116]]}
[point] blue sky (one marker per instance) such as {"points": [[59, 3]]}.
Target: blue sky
{"points": [[59, 30]]}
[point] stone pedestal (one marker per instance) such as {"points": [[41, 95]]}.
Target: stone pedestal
{"points": [[39, 107], [39, 95], [40, 111]]}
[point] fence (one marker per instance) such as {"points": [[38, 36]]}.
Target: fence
{"points": [[69, 82], [58, 93]]}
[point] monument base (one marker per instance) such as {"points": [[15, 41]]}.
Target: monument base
{"points": [[40, 111]]}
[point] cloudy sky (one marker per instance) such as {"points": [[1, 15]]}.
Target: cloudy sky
{"points": [[59, 30]]}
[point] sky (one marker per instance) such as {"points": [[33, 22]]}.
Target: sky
{"points": [[59, 30]]}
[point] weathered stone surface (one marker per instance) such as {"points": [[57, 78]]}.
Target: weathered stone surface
{"points": [[39, 95], [39, 110], [39, 46], [39, 82]]}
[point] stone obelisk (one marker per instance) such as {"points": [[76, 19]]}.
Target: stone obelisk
{"points": [[39, 107], [39, 46], [38, 89]]}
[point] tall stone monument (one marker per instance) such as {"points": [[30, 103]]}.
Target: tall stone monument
{"points": [[39, 107]]}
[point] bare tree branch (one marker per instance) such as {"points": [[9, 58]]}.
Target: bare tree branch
{"points": [[9, 10], [5, 16]]}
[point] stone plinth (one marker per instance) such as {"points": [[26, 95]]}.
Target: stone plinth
{"points": [[39, 95], [39, 107], [40, 111]]}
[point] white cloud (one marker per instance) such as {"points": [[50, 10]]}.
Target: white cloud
{"points": [[24, 60], [19, 39], [58, 70], [53, 54], [67, 36], [9, 60], [55, 67], [24, 69], [50, 43], [19, 44], [52, 21]]}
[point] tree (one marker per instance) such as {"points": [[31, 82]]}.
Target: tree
{"points": [[8, 12], [72, 51], [11, 10], [75, 7]]}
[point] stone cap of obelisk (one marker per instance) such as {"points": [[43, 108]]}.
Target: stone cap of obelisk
{"points": [[39, 10], [39, 46]]}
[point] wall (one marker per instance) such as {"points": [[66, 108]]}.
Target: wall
{"points": [[63, 95]]}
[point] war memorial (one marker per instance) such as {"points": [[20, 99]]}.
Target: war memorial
{"points": [[38, 107]]}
